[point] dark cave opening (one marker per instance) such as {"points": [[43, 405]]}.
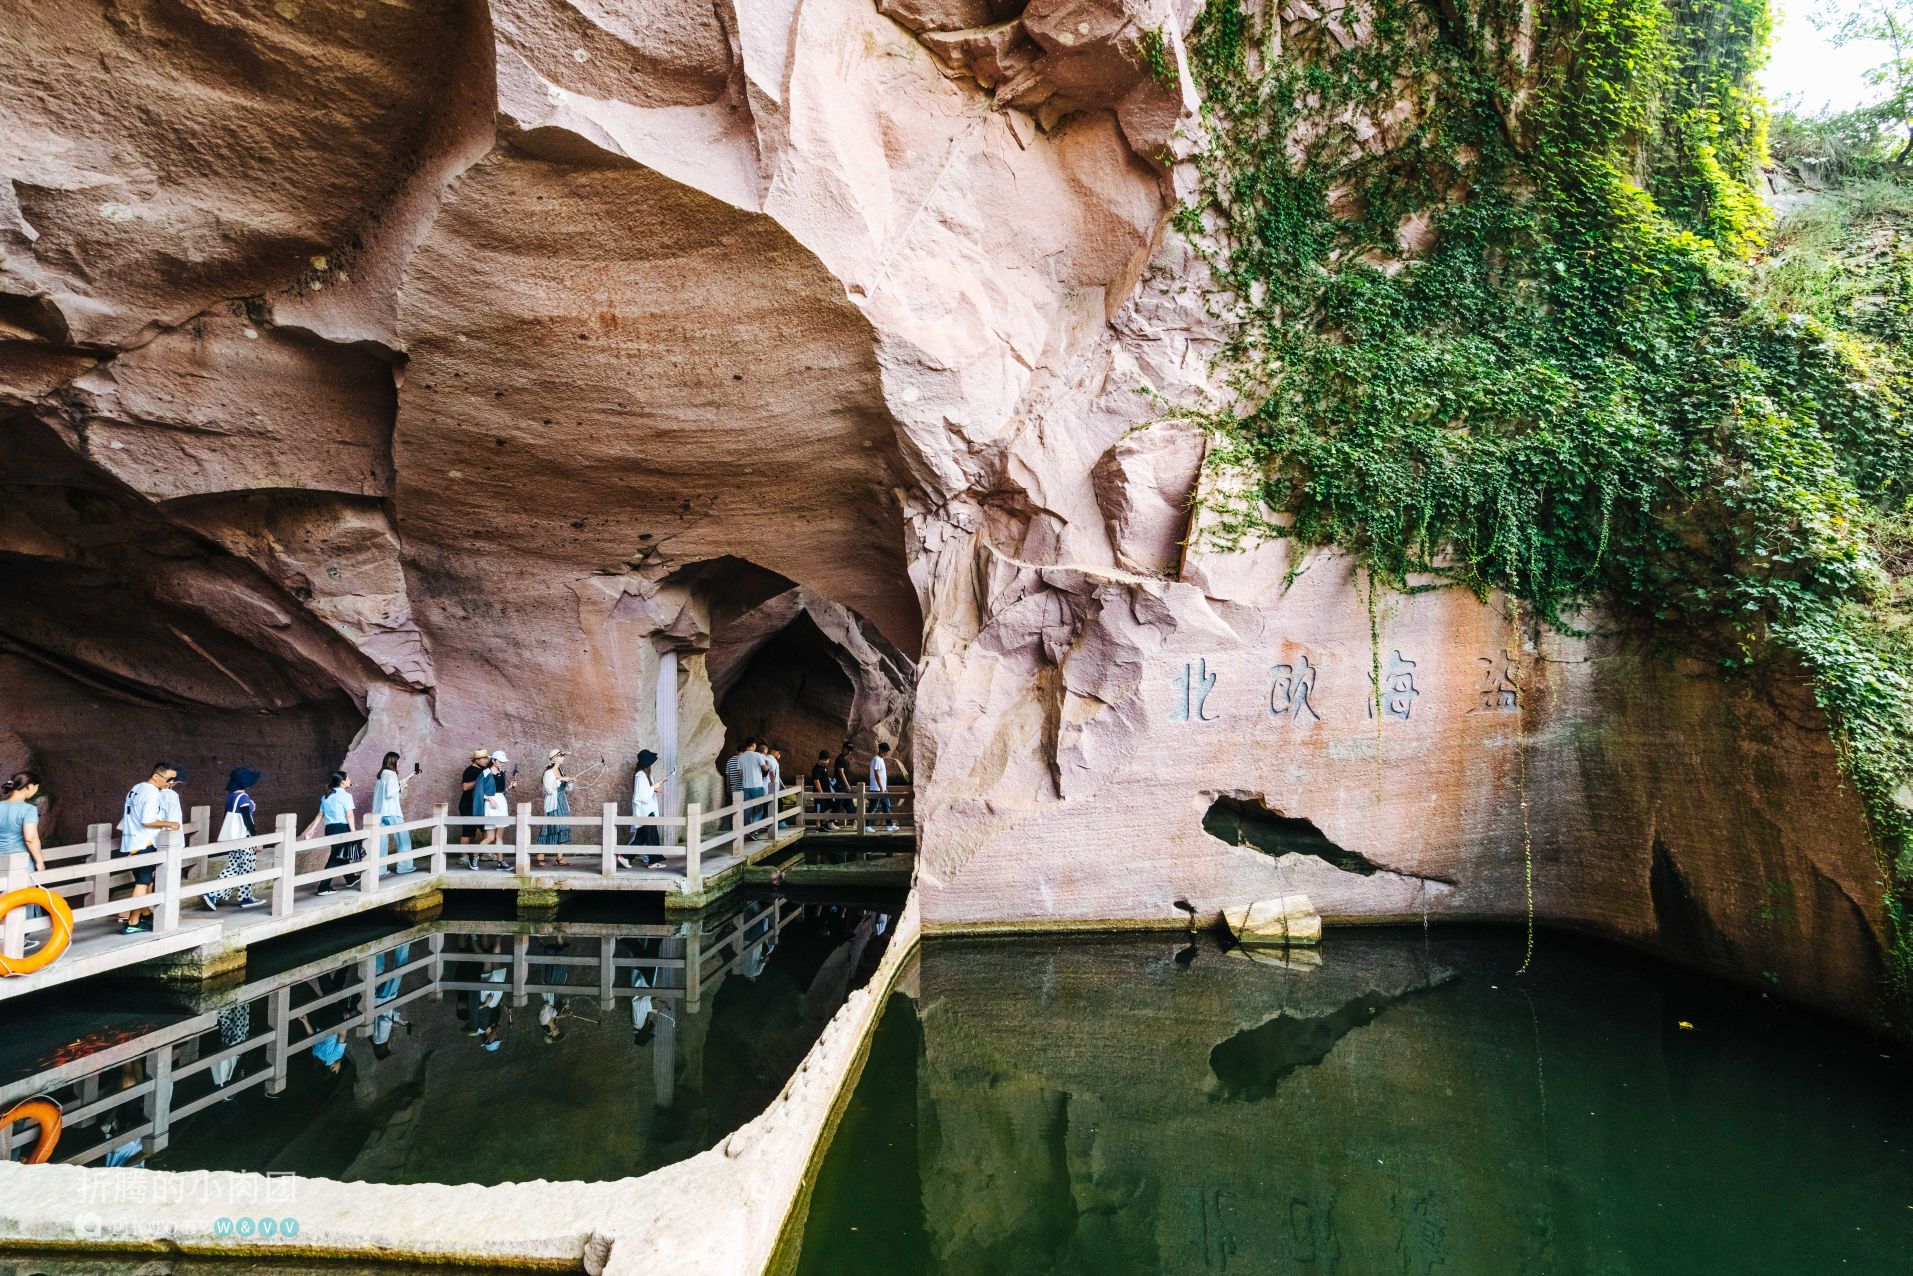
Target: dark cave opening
{"points": [[1244, 822], [792, 691]]}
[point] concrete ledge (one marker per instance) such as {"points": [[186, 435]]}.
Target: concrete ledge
{"points": [[719, 1213], [894, 871], [98, 960]]}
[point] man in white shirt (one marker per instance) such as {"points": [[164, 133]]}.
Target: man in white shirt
{"points": [[880, 783], [774, 756], [144, 819], [753, 770]]}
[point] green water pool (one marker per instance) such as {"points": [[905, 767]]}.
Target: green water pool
{"points": [[1408, 1105]]}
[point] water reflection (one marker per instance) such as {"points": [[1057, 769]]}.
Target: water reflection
{"points": [[1114, 1106], [466, 1051]]}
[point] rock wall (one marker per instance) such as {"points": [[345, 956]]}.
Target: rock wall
{"points": [[449, 373]]}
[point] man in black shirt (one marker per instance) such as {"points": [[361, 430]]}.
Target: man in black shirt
{"points": [[468, 799], [819, 782], [840, 772]]}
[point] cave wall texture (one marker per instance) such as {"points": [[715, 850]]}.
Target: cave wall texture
{"points": [[415, 375]]}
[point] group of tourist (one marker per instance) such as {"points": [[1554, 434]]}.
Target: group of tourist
{"points": [[833, 775], [753, 774], [757, 770]]}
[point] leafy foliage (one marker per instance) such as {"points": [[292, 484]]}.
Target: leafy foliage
{"points": [[1494, 324]]}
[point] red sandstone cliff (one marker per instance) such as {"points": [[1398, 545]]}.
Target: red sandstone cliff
{"points": [[416, 376]]}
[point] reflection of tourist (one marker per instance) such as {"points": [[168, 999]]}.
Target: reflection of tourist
{"points": [[235, 1025], [389, 988], [382, 1025], [330, 1052], [641, 1006], [644, 806], [240, 820], [388, 806], [489, 1008], [133, 1151]]}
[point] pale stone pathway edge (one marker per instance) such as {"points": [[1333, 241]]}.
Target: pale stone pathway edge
{"points": [[718, 1212]]}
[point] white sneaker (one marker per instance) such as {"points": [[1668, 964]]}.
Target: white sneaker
{"points": [[893, 826]]}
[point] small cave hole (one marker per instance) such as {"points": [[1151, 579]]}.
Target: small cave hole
{"points": [[1244, 822]]}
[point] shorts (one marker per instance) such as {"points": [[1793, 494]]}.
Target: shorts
{"points": [[143, 876]]}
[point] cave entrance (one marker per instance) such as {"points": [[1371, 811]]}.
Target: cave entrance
{"points": [[793, 691], [791, 666]]}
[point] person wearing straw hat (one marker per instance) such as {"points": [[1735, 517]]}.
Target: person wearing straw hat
{"points": [[557, 791], [496, 806], [241, 820]]}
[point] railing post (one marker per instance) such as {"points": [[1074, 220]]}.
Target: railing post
{"points": [[369, 875], [13, 930], [693, 848], [368, 993], [440, 835], [607, 971], [608, 840], [863, 808], [520, 967], [693, 963], [162, 1073], [521, 836], [437, 945], [101, 892], [282, 890], [738, 808], [166, 892], [281, 1021]]}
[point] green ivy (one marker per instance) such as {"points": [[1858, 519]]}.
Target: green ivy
{"points": [[1507, 339], [1156, 59]]}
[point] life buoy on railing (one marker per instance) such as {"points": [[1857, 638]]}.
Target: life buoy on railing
{"points": [[44, 1113], [57, 912]]}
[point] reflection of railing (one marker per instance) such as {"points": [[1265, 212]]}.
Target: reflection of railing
{"points": [[861, 812], [689, 845], [122, 1102]]}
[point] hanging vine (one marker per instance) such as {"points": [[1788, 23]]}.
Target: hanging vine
{"points": [[1490, 327]]}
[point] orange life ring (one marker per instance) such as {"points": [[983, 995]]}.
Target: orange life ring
{"points": [[44, 1113], [56, 943]]}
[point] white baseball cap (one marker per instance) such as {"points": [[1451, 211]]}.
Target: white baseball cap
{"points": [[498, 755]]}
